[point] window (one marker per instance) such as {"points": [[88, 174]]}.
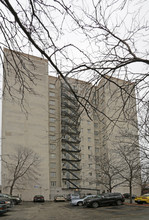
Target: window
{"points": [[88, 122], [74, 87], [53, 155], [52, 94], [52, 86], [52, 165], [96, 125], [52, 128], [52, 102], [97, 166], [89, 147], [89, 156], [96, 132], [90, 174], [52, 119], [96, 150], [53, 183], [53, 174], [52, 146], [96, 141], [89, 139], [95, 117], [89, 165], [89, 131], [98, 175], [52, 137], [52, 111], [97, 159]]}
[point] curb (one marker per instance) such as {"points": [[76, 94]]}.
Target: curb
{"points": [[134, 204]]}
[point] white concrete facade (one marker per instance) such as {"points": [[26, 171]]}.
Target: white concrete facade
{"points": [[26, 125], [41, 130]]}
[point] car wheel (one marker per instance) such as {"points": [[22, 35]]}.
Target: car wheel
{"points": [[138, 202], [119, 202], [14, 202], [95, 205], [80, 203]]}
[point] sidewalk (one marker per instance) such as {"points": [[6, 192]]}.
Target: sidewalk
{"points": [[127, 202]]}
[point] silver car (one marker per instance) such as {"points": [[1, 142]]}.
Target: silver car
{"points": [[80, 201]]}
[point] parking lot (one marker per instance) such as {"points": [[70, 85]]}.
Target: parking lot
{"points": [[64, 211]]}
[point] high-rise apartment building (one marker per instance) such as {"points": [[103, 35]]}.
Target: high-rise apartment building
{"points": [[25, 123], [70, 141]]}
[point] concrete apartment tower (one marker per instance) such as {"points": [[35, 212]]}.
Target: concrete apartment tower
{"points": [[70, 141], [118, 131], [25, 120], [80, 140]]}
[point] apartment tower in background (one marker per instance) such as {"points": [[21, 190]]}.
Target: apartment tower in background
{"points": [[70, 141], [25, 120]]}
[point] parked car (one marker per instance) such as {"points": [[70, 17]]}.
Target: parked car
{"points": [[8, 202], [80, 201], [142, 199], [105, 199], [38, 198], [16, 199], [72, 196], [59, 198], [127, 196], [3, 207]]}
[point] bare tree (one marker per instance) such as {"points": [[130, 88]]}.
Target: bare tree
{"points": [[22, 168], [129, 165], [144, 143], [108, 174], [88, 40], [91, 40]]}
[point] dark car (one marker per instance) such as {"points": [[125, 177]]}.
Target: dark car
{"points": [[38, 198], [8, 202], [127, 196], [3, 207], [15, 199], [105, 199]]}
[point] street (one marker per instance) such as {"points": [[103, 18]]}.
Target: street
{"points": [[63, 211]]}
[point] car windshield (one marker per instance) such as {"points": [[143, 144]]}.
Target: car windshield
{"points": [[98, 196], [5, 195], [82, 197], [145, 195]]}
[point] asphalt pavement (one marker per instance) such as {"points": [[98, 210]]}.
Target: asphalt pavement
{"points": [[65, 211]]}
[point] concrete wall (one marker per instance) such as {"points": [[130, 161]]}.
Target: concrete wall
{"points": [[25, 121]]}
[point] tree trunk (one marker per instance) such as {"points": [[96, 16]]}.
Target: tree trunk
{"points": [[130, 191], [11, 188]]}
